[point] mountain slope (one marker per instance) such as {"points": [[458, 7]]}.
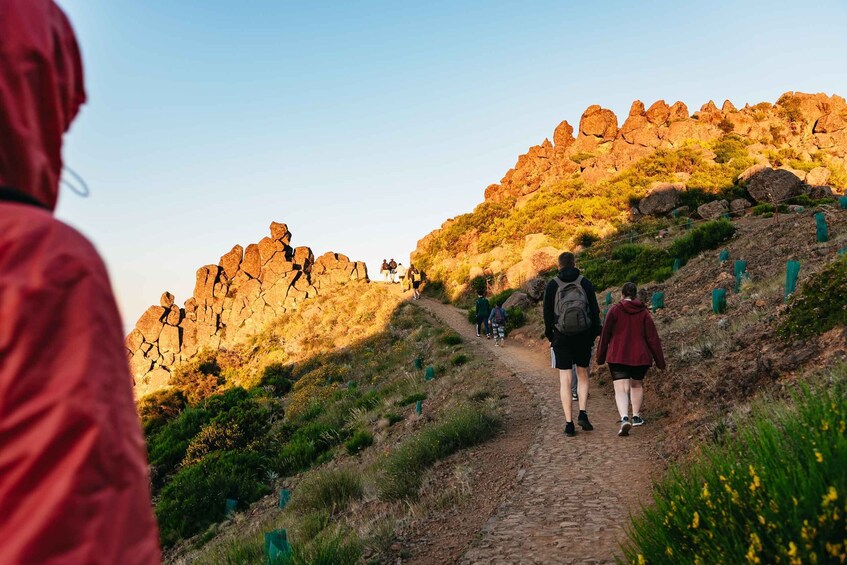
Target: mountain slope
{"points": [[568, 193]]}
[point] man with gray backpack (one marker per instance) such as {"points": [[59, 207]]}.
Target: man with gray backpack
{"points": [[571, 324]]}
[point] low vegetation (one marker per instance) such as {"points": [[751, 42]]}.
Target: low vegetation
{"points": [[820, 305], [773, 492]]}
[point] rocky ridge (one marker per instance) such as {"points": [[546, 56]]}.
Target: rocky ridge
{"points": [[232, 301], [600, 149]]}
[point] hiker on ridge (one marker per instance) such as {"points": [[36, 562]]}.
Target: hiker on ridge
{"points": [[74, 484], [483, 309], [630, 343], [571, 324], [401, 275], [384, 271], [498, 319], [392, 270]]}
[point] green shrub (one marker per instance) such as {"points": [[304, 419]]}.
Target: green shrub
{"points": [[331, 490], [279, 377], [436, 289], [729, 147], [459, 359], [411, 399], [451, 338], [585, 237], [167, 448], [645, 263], [502, 296], [328, 548], [360, 440], [763, 208], [393, 418], [820, 304], [463, 427], [774, 493], [516, 318], [306, 445], [159, 408], [479, 284], [196, 495]]}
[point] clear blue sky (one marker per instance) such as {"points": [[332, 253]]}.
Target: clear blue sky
{"points": [[364, 125]]}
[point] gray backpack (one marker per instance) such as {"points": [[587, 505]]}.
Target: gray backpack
{"points": [[571, 307]]}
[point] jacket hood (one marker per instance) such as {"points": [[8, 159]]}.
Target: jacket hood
{"points": [[41, 91], [632, 306], [569, 274]]}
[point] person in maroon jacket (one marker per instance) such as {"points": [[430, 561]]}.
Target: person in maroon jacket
{"points": [[630, 343]]}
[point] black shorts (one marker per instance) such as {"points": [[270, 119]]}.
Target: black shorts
{"points": [[416, 284], [567, 351], [620, 372]]}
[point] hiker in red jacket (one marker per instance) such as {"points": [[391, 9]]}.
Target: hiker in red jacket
{"points": [[74, 485], [630, 344]]}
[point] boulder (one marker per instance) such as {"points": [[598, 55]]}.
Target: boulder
{"points": [[796, 172], [738, 205], [252, 263], [134, 340], [268, 248], [169, 341], [774, 185], [819, 176], [167, 300], [232, 261], [534, 288], [659, 113], [752, 170], [681, 212], [819, 192], [562, 136], [599, 122], [830, 123], [637, 108], [204, 286], [663, 197], [150, 323], [518, 300], [678, 112], [713, 209], [279, 232], [728, 107], [139, 364], [173, 316]]}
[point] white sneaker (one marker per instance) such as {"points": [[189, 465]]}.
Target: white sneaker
{"points": [[625, 426]]}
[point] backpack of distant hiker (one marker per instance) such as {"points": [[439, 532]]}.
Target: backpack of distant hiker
{"points": [[499, 316], [571, 307]]}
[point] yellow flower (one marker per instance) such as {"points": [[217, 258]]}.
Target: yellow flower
{"points": [[761, 519], [818, 456], [641, 560], [756, 483], [705, 494], [792, 549], [830, 496], [754, 549], [669, 551], [825, 425], [695, 523]]}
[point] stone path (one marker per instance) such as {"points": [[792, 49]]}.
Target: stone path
{"points": [[574, 495]]}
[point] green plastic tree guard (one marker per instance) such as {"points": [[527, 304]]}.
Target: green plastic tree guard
{"points": [[284, 497], [688, 224], [822, 231], [676, 265], [429, 374], [740, 274], [724, 256], [675, 214], [418, 362], [608, 298], [657, 300], [719, 301], [842, 201], [276, 546], [419, 407], [230, 506], [792, 273], [351, 385]]}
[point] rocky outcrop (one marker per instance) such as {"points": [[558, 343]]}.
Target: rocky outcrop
{"points": [[232, 301], [713, 209]]}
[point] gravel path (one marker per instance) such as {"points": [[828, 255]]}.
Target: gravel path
{"points": [[573, 496]]}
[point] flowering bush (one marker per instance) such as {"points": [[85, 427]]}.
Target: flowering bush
{"points": [[775, 493]]}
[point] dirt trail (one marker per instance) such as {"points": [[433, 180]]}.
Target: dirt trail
{"points": [[573, 496]]}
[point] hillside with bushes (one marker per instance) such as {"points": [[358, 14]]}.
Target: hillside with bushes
{"points": [[660, 163]]}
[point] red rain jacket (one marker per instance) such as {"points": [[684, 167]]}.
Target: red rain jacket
{"points": [[629, 337], [74, 485]]}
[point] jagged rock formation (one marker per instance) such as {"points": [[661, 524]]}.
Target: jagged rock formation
{"points": [[232, 301], [806, 122]]}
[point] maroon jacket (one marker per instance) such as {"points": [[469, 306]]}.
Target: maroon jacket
{"points": [[629, 337]]}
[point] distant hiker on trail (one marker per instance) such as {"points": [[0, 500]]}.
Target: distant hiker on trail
{"points": [[401, 275], [385, 271], [630, 343], [416, 277], [392, 270], [498, 318], [74, 480], [571, 324], [483, 309]]}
